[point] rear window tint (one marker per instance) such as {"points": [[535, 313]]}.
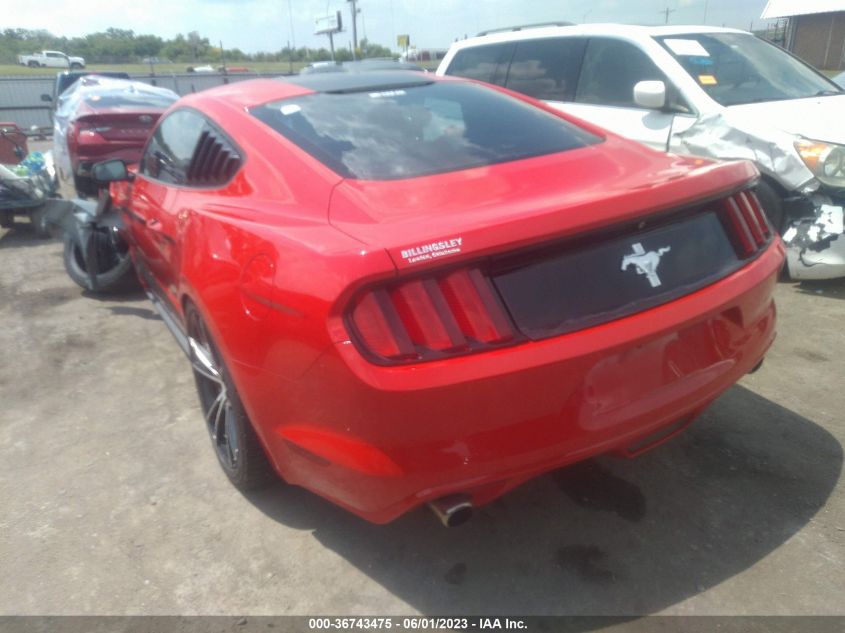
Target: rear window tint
{"points": [[484, 63], [419, 130], [548, 68]]}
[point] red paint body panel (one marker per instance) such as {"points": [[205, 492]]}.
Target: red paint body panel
{"points": [[273, 259]]}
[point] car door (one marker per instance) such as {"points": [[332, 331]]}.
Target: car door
{"points": [[547, 68], [604, 94], [153, 214], [56, 60], [484, 63]]}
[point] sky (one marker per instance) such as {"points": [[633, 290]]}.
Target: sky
{"points": [[265, 25]]}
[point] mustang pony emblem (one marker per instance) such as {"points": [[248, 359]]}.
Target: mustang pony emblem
{"points": [[646, 263]]}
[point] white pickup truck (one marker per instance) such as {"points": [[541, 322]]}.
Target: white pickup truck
{"points": [[53, 59]]}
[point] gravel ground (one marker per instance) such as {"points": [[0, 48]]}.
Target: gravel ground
{"points": [[113, 502]]}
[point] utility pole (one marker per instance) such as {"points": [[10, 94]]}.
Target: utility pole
{"points": [[292, 38], [666, 12], [354, 29], [290, 24], [706, 2]]}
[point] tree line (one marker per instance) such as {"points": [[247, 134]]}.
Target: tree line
{"points": [[120, 46]]}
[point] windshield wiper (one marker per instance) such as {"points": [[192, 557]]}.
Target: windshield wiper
{"points": [[827, 93]]}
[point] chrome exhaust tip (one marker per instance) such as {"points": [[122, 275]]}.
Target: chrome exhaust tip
{"points": [[452, 510]]}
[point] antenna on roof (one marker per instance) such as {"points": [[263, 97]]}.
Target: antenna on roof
{"points": [[522, 27]]}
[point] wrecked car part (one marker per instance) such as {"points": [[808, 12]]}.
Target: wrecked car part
{"points": [[96, 257], [815, 247], [813, 222], [730, 135]]}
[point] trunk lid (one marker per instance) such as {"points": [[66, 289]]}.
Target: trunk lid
{"points": [[441, 219], [120, 126]]}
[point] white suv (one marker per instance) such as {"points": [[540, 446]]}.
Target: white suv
{"points": [[712, 92]]}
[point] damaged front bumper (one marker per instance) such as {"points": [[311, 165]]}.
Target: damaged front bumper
{"points": [[815, 245]]}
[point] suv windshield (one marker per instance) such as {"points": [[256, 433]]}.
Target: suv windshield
{"points": [[410, 131], [737, 68]]}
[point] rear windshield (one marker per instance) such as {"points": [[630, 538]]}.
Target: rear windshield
{"points": [[418, 130]]}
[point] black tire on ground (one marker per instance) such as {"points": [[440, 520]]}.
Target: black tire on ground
{"points": [[117, 273], [75, 65], [772, 204], [238, 449], [32, 63], [7, 219]]}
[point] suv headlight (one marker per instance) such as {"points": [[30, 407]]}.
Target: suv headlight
{"points": [[825, 160]]}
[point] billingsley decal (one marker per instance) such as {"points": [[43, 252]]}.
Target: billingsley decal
{"points": [[425, 252]]}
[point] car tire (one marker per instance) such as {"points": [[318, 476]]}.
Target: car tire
{"points": [[72, 66], [32, 64], [238, 449], [7, 219], [772, 204], [118, 273]]}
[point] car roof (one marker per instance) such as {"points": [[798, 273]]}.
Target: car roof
{"points": [[360, 81], [630, 31], [247, 94], [66, 79]]}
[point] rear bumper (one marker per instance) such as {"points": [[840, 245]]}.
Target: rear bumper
{"points": [[382, 440], [128, 152]]}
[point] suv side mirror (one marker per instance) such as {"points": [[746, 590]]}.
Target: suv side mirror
{"points": [[650, 94], [107, 171]]}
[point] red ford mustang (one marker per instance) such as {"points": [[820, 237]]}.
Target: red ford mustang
{"points": [[397, 289]]}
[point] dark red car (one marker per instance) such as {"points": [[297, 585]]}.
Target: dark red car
{"points": [[397, 289], [100, 117]]}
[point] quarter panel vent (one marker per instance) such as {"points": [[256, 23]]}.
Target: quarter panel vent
{"points": [[214, 162]]}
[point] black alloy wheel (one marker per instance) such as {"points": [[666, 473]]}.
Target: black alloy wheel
{"points": [[235, 443]]}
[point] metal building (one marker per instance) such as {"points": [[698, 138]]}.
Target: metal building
{"points": [[816, 30]]}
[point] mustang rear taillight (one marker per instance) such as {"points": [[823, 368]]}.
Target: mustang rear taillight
{"points": [[747, 222], [428, 318]]}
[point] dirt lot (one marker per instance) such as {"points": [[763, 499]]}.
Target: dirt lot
{"points": [[113, 502]]}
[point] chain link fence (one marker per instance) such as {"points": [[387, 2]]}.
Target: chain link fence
{"points": [[21, 102]]}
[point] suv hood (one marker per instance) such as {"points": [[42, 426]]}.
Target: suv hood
{"points": [[439, 219], [817, 118]]}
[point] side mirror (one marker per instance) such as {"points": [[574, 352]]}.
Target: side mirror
{"points": [[113, 170], [46, 97], [650, 94]]}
